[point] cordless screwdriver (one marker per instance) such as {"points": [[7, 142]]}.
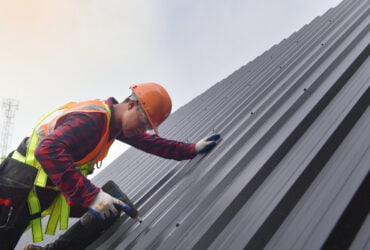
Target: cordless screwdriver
{"points": [[112, 188]]}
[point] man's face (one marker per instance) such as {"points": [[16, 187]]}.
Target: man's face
{"points": [[135, 121]]}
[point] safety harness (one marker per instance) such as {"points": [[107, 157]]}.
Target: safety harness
{"points": [[59, 209]]}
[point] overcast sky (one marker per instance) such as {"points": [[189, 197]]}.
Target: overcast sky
{"points": [[56, 51]]}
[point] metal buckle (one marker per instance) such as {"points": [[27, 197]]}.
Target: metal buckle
{"points": [[8, 219]]}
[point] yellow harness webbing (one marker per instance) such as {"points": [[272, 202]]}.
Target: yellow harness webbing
{"points": [[40, 180], [59, 209]]}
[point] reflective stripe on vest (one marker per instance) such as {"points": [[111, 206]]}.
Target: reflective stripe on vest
{"points": [[59, 210]]}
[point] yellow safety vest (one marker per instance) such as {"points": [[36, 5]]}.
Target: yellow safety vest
{"points": [[59, 209]]}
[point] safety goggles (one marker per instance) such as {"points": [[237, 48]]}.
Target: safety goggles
{"points": [[144, 120]]}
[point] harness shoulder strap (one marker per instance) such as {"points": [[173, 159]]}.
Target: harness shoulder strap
{"points": [[40, 180], [59, 210]]}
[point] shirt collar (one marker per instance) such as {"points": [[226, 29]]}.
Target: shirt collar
{"points": [[110, 102]]}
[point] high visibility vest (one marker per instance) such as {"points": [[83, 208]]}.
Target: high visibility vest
{"points": [[59, 210]]}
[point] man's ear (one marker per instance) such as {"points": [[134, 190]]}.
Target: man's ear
{"points": [[131, 104]]}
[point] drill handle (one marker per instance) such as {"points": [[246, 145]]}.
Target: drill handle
{"points": [[129, 208]]}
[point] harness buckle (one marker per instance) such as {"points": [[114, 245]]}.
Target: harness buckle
{"points": [[8, 218]]}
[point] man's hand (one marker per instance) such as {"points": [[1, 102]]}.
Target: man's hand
{"points": [[207, 144], [103, 206]]}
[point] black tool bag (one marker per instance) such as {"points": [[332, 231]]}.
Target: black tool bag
{"points": [[16, 181]]}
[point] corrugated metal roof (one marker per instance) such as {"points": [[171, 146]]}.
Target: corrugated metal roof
{"points": [[292, 169]]}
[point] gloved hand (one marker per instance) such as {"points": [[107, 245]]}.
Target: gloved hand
{"points": [[207, 144], [103, 206]]}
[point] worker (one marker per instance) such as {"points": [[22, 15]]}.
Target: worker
{"points": [[47, 173]]}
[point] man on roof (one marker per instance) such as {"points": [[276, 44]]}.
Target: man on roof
{"points": [[47, 173]]}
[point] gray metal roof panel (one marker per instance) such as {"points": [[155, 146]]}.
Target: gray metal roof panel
{"points": [[362, 240], [292, 160], [287, 103]]}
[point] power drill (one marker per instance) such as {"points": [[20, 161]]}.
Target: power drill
{"points": [[112, 188]]}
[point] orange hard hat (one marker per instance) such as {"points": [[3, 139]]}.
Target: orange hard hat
{"points": [[155, 101]]}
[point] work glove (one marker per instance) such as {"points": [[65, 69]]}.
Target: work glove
{"points": [[207, 144], [103, 206]]}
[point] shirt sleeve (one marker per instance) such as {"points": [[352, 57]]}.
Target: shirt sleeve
{"points": [[156, 145], [74, 136]]}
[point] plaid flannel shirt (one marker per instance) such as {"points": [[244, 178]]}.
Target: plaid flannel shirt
{"points": [[76, 134]]}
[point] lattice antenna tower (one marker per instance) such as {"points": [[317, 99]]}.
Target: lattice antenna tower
{"points": [[9, 107]]}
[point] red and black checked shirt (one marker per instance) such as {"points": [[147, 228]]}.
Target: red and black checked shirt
{"points": [[76, 135]]}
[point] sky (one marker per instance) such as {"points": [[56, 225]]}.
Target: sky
{"points": [[53, 51]]}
